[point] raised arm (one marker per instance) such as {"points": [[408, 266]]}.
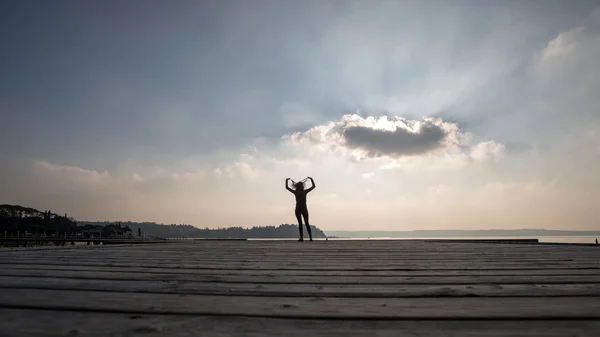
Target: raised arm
{"points": [[287, 187], [312, 182]]}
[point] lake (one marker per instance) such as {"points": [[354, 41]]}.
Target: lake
{"points": [[561, 239]]}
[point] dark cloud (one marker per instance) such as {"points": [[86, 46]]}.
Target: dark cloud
{"points": [[400, 142]]}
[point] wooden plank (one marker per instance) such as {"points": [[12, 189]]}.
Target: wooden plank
{"points": [[271, 248], [351, 281], [304, 290], [355, 246], [301, 279], [332, 265], [316, 263], [183, 265], [340, 255], [230, 252], [307, 307], [275, 250], [286, 272], [16, 322], [326, 259], [332, 261], [315, 268]]}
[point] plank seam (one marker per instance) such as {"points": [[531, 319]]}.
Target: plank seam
{"points": [[293, 294], [301, 282], [299, 269], [291, 274], [303, 317]]}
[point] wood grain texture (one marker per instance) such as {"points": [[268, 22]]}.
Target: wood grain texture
{"points": [[329, 288], [98, 267], [304, 290], [16, 322], [307, 307], [268, 278]]}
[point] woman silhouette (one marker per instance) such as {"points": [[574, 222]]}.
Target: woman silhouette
{"points": [[301, 209]]}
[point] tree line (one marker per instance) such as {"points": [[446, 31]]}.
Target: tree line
{"points": [[18, 219], [15, 219], [188, 231]]}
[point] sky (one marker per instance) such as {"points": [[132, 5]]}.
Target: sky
{"points": [[407, 114]]}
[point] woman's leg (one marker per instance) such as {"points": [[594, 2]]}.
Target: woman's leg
{"points": [[306, 223], [299, 217]]}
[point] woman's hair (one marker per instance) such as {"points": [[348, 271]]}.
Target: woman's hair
{"points": [[297, 185]]}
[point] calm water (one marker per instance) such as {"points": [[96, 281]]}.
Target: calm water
{"points": [[566, 239], [563, 239]]}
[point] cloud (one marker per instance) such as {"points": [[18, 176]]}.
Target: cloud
{"points": [[487, 150], [504, 119], [395, 139], [399, 142], [368, 175], [568, 64], [73, 172]]}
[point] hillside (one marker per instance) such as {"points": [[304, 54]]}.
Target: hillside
{"points": [[16, 219], [189, 231]]}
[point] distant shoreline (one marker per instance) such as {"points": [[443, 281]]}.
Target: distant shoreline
{"points": [[460, 233]]}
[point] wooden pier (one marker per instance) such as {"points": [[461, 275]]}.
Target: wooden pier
{"points": [[289, 288], [62, 241]]}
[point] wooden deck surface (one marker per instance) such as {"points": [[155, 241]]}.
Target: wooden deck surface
{"points": [[288, 288]]}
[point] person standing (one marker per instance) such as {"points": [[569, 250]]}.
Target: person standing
{"points": [[301, 210]]}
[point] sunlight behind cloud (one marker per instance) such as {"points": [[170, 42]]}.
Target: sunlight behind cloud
{"points": [[408, 116], [393, 139]]}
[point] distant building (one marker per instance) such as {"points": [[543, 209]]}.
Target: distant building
{"points": [[120, 232], [95, 232]]}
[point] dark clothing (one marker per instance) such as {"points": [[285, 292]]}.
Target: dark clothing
{"points": [[300, 199], [301, 211]]}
